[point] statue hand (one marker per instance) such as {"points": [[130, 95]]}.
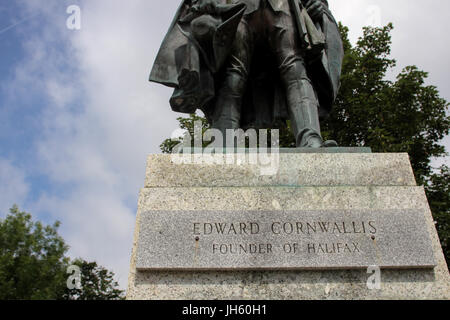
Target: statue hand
{"points": [[205, 6], [315, 8]]}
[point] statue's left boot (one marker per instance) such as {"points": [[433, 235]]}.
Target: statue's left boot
{"points": [[304, 114]]}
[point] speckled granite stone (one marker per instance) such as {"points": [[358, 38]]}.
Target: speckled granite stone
{"points": [[383, 193], [295, 169]]}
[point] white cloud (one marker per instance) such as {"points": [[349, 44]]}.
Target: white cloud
{"points": [[13, 186], [102, 120]]}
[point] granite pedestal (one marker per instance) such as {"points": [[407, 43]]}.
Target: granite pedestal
{"points": [[309, 231]]}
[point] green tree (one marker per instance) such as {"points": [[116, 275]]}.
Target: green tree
{"points": [[32, 258], [389, 116], [404, 115], [33, 264], [438, 193], [97, 283], [187, 124]]}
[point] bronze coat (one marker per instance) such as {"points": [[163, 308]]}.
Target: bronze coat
{"points": [[264, 103]]}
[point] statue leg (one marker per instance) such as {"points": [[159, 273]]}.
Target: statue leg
{"points": [[302, 101], [227, 109], [303, 111]]}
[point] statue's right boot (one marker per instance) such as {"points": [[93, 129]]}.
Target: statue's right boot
{"points": [[304, 115]]}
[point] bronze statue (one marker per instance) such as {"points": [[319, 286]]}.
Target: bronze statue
{"points": [[254, 64]]}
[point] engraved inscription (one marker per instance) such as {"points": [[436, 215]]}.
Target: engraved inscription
{"points": [[280, 228], [333, 239]]}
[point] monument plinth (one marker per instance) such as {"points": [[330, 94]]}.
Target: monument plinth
{"points": [[309, 231]]}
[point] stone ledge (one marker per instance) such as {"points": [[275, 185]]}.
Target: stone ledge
{"points": [[287, 285], [295, 169], [282, 198], [285, 150]]}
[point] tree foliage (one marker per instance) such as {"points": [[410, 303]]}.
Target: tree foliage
{"points": [[404, 115], [186, 124], [32, 258], [33, 264], [438, 193], [97, 283]]}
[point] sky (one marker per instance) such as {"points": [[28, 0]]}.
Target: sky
{"points": [[78, 116]]}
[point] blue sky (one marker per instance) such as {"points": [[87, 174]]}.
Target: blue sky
{"points": [[18, 130], [24, 105], [12, 54], [78, 117]]}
